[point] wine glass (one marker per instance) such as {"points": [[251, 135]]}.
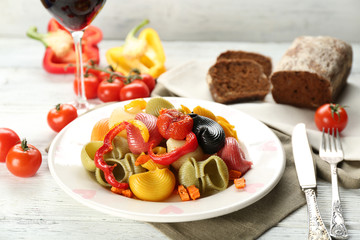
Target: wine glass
{"points": [[75, 16]]}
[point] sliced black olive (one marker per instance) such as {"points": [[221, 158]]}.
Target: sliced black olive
{"points": [[210, 135]]}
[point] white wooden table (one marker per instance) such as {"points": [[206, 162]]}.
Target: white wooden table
{"points": [[36, 207]]}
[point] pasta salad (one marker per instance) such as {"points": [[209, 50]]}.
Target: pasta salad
{"points": [[149, 150]]}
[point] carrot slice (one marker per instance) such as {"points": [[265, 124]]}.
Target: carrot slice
{"points": [[183, 193], [193, 192], [142, 159], [117, 190], [233, 174], [240, 183], [127, 193]]}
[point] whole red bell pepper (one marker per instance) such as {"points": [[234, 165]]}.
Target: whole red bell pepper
{"points": [[60, 55]]}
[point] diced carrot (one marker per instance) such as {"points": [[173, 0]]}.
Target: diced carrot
{"points": [[193, 192], [240, 183], [233, 174], [127, 193], [183, 193], [143, 158], [117, 190]]}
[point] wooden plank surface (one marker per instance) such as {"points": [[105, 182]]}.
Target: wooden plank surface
{"points": [[38, 207]]}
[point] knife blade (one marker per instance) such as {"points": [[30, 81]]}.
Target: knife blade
{"points": [[305, 170]]}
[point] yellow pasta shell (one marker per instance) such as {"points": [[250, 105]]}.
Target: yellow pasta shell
{"points": [[185, 109], [204, 112], [119, 115], [135, 106], [154, 185]]}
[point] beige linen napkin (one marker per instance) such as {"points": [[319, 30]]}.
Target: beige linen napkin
{"points": [[252, 221]]}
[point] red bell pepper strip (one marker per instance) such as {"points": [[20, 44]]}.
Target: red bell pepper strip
{"points": [[64, 60], [106, 147], [167, 158]]}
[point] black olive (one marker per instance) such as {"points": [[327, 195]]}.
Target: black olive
{"points": [[210, 135]]}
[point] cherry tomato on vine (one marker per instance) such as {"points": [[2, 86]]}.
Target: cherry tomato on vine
{"points": [[148, 80], [23, 160], [60, 116], [8, 138], [330, 116], [91, 84], [109, 90], [133, 90]]}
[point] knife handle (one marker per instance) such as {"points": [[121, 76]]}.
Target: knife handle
{"points": [[317, 229]]}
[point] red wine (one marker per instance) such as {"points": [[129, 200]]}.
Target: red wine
{"points": [[75, 15]]}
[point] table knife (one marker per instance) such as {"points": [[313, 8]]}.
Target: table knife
{"points": [[305, 170]]}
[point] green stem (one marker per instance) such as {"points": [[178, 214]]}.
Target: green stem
{"points": [[24, 145], [33, 33], [133, 31]]}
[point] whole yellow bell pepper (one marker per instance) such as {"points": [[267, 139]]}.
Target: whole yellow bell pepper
{"points": [[144, 52]]}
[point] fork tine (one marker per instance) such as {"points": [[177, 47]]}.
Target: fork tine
{"points": [[323, 142], [332, 140], [328, 146], [337, 141]]}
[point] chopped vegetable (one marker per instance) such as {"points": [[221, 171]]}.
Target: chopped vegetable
{"points": [[240, 183], [183, 193], [233, 174], [105, 148], [174, 124], [142, 159], [193, 192], [167, 158]]}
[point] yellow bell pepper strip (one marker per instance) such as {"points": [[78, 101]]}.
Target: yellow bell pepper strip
{"points": [[144, 52]]}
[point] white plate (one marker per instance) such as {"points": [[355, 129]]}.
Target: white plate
{"points": [[264, 147]]}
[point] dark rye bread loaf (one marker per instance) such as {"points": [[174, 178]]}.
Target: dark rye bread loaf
{"points": [[237, 81], [264, 61], [313, 71]]}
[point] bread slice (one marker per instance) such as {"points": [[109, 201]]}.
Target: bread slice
{"points": [[237, 81], [312, 72], [264, 61]]}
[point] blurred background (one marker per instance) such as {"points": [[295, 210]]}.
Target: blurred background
{"points": [[205, 20]]}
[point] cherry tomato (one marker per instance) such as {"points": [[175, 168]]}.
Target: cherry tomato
{"points": [[109, 90], [23, 160], [91, 84], [330, 116], [136, 89], [60, 116], [8, 138], [149, 81]]}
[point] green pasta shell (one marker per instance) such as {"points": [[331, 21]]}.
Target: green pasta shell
{"points": [[124, 169], [88, 154], [209, 175], [120, 148], [154, 105], [214, 173], [189, 173]]}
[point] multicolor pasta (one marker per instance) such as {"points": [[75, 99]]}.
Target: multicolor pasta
{"points": [[208, 175], [151, 153]]}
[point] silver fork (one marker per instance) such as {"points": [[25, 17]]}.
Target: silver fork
{"points": [[331, 151]]}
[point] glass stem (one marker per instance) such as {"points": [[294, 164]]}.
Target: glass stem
{"points": [[81, 102]]}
